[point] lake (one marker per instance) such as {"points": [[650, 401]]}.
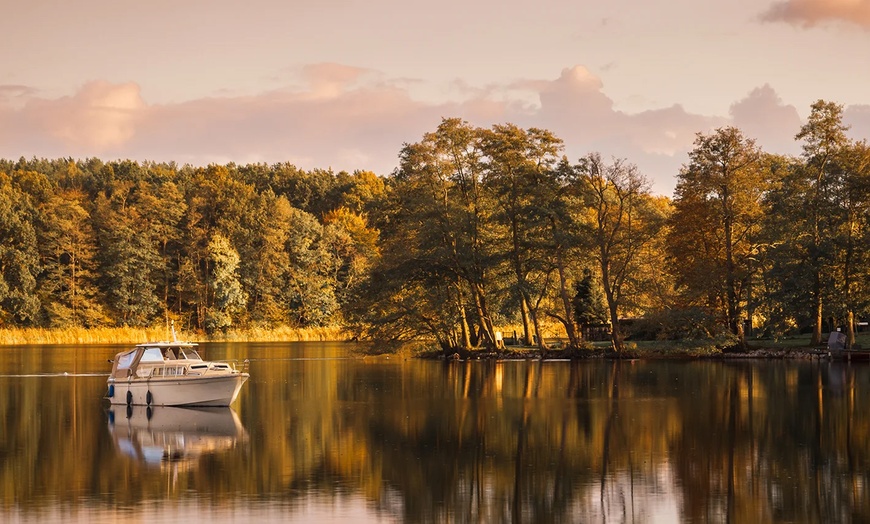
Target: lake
{"points": [[319, 434]]}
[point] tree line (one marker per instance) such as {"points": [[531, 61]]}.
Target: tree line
{"points": [[88, 243], [476, 229]]}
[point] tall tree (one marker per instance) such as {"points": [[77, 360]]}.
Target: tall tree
{"points": [[309, 285], [19, 256], [131, 261], [714, 230], [823, 136], [441, 222], [265, 259], [622, 218], [852, 261], [68, 247], [229, 297], [806, 214], [519, 170]]}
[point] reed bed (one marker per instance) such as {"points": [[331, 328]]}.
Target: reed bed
{"points": [[130, 335], [81, 335], [283, 334]]}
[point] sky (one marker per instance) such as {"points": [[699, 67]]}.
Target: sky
{"points": [[343, 84]]}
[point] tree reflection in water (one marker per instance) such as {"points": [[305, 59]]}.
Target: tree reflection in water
{"points": [[425, 441]]}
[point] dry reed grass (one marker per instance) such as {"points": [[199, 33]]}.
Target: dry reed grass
{"points": [[129, 335]]}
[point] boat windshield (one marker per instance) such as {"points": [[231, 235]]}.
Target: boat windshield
{"points": [[189, 354], [126, 360], [152, 355]]}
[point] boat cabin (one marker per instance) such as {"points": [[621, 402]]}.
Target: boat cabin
{"points": [[142, 359]]}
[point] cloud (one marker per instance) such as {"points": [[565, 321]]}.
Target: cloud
{"points": [[98, 117], [347, 118], [328, 80], [576, 109], [857, 117], [762, 116], [809, 13], [10, 93]]}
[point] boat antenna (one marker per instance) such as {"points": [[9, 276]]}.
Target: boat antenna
{"points": [[172, 326]]}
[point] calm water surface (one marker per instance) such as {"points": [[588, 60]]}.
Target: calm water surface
{"points": [[321, 435]]}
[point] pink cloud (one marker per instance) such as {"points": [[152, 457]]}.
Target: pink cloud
{"points": [[348, 118], [762, 116], [857, 117], [99, 117], [808, 13], [576, 109], [327, 80]]}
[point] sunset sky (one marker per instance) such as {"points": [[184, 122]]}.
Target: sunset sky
{"points": [[342, 84]]}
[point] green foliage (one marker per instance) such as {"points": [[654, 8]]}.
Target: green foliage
{"points": [[229, 297], [588, 301], [87, 243], [19, 257], [309, 288], [715, 230], [477, 231]]}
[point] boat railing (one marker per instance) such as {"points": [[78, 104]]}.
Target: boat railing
{"points": [[185, 368], [167, 371], [236, 364]]}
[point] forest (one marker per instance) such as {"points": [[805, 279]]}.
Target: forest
{"points": [[478, 231]]}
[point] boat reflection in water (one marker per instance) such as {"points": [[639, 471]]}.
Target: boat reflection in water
{"points": [[159, 436]]}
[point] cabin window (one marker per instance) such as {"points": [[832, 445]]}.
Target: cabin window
{"points": [[189, 354], [125, 360], [152, 355]]}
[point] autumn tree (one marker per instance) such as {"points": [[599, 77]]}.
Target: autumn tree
{"points": [[621, 219], [442, 198], [806, 215], [131, 263], [309, 290], [714, 230], [519, 170], [228, 296], [824, 137], [852, 266], [67, 285], [19, 256], [264, 266]]}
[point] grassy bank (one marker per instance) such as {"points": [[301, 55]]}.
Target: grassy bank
{"points": [[129, 335]]}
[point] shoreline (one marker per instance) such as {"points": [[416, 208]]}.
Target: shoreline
{"points": [[752, 353]]}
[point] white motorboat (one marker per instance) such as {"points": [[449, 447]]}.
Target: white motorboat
{"points": [[172, 374]]}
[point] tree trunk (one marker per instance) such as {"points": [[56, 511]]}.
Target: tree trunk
{"points": [[570, 326], [612, 307], [615, 331], [817, 310], [850, 329], [735, 322], [524, 313], [538, 336], [463, 319], [487, 331]]}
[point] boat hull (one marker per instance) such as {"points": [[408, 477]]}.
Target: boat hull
{"points": [[220, 390]]}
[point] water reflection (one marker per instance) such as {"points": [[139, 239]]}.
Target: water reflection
{"points": [[321, 435], [163, 436]]}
